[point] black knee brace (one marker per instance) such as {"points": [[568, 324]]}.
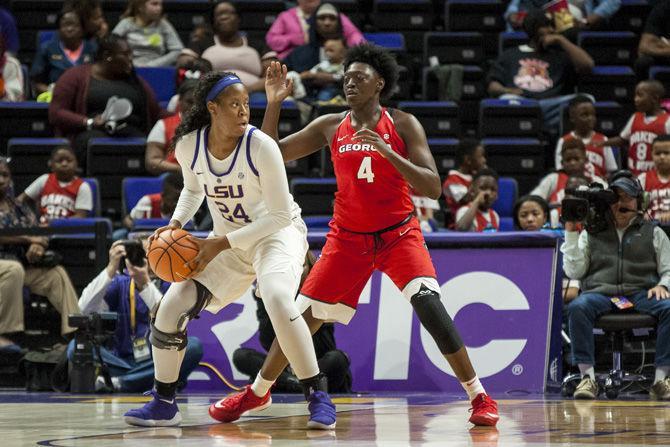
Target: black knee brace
{"points": [[434, 317]]}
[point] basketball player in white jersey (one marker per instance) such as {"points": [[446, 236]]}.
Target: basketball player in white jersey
{"points": [[258, 235]]}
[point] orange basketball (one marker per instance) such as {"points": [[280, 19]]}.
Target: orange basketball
{"points": [[169, 252]]}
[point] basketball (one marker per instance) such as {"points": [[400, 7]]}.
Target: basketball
{"points": [[169, 252]]}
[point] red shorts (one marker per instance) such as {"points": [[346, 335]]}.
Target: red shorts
{"points": [[348, 259]]}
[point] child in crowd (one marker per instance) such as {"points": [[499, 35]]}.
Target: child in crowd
{"points": [[324, 80], [153, 39], [478, 215], [657, 181], [159, 156], [574, 163], [60, 194], [582, 115], [647, 123], [470, 157], [160, 205], [191, 70], [530, 213], [11, 76]]}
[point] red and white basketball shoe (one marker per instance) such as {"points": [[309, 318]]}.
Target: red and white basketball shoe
{"points": [[484, 411], [231, 408]]}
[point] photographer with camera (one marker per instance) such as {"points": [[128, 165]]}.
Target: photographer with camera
{"points": [[131, 293], [623, 261]]}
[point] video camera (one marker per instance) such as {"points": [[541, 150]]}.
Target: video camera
{"points": [[93, 331], [588, 204]]}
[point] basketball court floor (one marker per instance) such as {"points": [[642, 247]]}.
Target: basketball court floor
{"points": [[421, 419]]}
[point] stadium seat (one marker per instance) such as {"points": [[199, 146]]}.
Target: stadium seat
{"points": [[662, 74], [24, 119], [439, 119], [609, 47], [44, 36], [134, 188], [511, 39], [95, 193], [185, 15], [289, 121], [31, 17], [630, 16], [521, 158], [391, 41], [508, 191], [314, 195], [399, 15], [29, 158], [464, 48], [444, 153], [611, 117], [354, 9], [161, 79], [510, 117], [611, 83], [484, 16], [506, 224]]}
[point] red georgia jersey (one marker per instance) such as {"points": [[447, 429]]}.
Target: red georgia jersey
{"points": [[371, 193]]}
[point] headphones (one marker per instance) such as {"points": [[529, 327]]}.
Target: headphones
{"points": [[643, 197]]}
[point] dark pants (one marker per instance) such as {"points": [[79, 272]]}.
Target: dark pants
{"points": [[587, 307], [334, 364]]}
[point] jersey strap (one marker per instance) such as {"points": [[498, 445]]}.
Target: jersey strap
{"points": [[251, 164]]}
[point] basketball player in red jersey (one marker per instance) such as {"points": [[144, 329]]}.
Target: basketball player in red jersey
{"points": [[377, 153]]}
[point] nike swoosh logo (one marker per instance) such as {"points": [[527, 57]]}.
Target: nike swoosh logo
{"points": [[402, 233], [340, 139], [218, 404], [167, 401], [294, 318]]}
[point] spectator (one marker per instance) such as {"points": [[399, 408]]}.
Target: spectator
{"points": [[81, 95], [648, 122], [530, 213], [160, 156], [129, 359], [190, 70], [160, 205], [228, 49], [66, 49], [324, 80], [23, 264], [586, 15], [328, 25], [90, 11], [153, 39], [9, 32], [333, 362], [654, 47], [544, 70], [478, 215], [470, 158], [640, 274], [60, 194], [292, 29], [657, 181], [601, 159], [11, 79], [574, 163]]}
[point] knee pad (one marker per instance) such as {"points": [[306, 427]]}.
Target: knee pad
{"points": [[434, 317], [163, 340]]}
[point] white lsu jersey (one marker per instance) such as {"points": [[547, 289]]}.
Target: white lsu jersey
{"points": [[232, 186]]}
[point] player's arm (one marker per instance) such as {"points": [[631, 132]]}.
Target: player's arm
{"points": [[419, 170], [192, 194]]}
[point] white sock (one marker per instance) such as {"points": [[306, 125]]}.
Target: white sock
{"points": [[260, 387], [587, 370], [473, 387], [661, 373]]}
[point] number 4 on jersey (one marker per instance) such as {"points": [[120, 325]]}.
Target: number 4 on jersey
{"points": [[365, 170]]}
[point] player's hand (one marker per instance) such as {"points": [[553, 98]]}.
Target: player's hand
{"points": [[277, 84], [116, 252], [660, 292], [173, 225], [34, 253], [368, 136], [208, 249]]}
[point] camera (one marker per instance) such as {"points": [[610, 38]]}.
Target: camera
{"points": [[588, 204], [93, 331], [135, 254]]}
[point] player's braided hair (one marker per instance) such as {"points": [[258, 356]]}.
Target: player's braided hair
{"points": [[198, 116], [378, 58]]}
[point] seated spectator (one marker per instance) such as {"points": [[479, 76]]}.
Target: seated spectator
{"points": [[90, 11], [574, 163], [654, 47], [545, 69], [657, 181], [478, 215], [292, 29], [228, 49], [160, 205], [530, 213], [581, 15], [327, 26], [324, 80], [153, 39], [8, 32], [66, 49], [190, 70], [160, 156], [333, 362], [60, 194], [22, 264], [470, 158], [81, 95], [648, 122], [582, 114], [129, 358], [11, 76]]}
